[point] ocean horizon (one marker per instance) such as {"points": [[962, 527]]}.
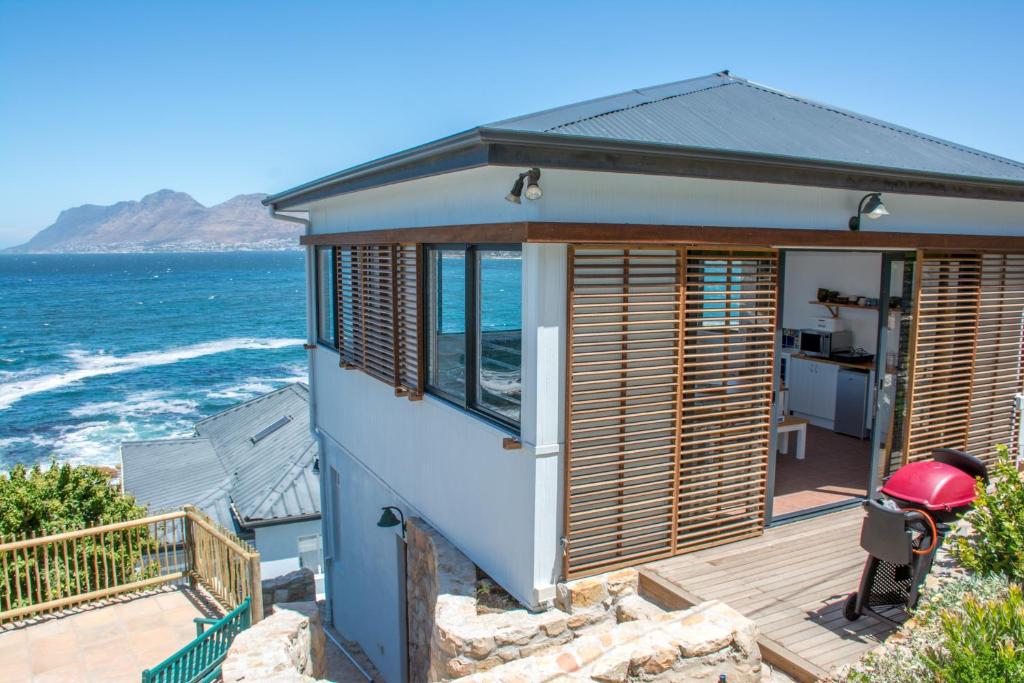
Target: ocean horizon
{"points": [[97, 349]]}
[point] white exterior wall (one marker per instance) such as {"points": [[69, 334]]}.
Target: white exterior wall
{"points": [[279, 547], [477, 196], [503, 508]]}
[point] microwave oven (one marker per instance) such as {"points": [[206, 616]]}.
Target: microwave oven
{"points": [[824, 344]]}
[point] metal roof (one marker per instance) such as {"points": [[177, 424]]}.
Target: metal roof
{"points": [[255, 457], [724, 112], [718, 118]]}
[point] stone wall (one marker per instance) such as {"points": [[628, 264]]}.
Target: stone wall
{"points": [[697, 645], [449, 638], [296, 586], [286, 647]]}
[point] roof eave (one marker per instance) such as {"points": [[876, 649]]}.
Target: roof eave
{"points": [[503, 147]]}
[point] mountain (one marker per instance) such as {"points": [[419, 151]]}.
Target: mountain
{"points": [[165, 221]]}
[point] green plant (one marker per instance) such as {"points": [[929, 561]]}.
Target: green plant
{"points": [[38, 502], [996, 545], [982, 642]]}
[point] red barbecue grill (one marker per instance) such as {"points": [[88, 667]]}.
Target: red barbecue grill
{"points": [[903, 532]]}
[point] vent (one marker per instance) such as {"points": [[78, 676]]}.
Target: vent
{"points": [[267, 431]]}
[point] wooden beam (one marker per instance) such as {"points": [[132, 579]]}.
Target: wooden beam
{"points": [[649, 234]]}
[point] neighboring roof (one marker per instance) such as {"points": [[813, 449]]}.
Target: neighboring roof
{"points": [[720, 118], [254, 460]]}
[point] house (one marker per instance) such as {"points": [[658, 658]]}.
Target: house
{"points": [[252, 468], [604, 369]]}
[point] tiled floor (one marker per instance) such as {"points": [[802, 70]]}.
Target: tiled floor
{"points": [[109, 643], [835, 468]]}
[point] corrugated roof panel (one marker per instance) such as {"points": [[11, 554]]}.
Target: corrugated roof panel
{"points": [[270, 478], [722, 112]]}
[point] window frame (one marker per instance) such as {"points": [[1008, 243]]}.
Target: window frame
{"points": [[318, 312], [319, 550], [471, 340]]}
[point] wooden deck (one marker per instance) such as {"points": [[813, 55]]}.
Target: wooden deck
{"points": [[792, 581]]}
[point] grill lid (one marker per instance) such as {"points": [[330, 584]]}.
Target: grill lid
{"points": [[931, 485]]}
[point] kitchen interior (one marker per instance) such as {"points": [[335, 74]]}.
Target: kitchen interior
{"points": [[824, 413]]}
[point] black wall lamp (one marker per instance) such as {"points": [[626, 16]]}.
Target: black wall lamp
{"points": [[871, 206], [533, 191], [388, 519]]}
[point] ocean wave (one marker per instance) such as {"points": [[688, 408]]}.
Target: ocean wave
{"points": [[96, 365], [139, 405], [98, 443]]}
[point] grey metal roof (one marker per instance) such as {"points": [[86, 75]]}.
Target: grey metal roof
{"points": [[169, 473], [724, 112], [719, 117], [255, 457]]}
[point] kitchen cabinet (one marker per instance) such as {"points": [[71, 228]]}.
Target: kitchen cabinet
{"points": [[812, 388]]}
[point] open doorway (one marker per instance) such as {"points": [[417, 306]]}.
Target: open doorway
{"points": [[836, 339]]}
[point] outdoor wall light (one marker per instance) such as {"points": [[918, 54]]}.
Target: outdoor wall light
{"points": [[388, 519], [871, 206], [530, 179], [316, 466]]}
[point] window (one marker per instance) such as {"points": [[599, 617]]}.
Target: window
{"points": [[475, 328], [311, 554], [326, 301]]}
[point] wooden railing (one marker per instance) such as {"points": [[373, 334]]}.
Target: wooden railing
{"points": [[48, 573]]}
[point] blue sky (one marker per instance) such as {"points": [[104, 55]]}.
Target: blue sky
{"points": [[104, 101]]}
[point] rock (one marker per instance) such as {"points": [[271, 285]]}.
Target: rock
{"points": [[296, 586], [286, 646], [623, 582], [635, 608], [583, 593]]}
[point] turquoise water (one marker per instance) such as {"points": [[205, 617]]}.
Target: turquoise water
{"points": [[99, 349]]}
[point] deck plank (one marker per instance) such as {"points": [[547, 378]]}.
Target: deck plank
{"points": [[792, 581]]}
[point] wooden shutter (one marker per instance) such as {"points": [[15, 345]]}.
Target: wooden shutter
{"points": [[378, 313], [728, 367], [410, 319], [997, 376], [622, 398], [670, 369]]}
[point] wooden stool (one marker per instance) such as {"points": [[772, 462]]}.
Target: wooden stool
{"points": [[793, 424]]}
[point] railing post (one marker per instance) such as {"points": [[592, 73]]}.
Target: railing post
{"points": [[190, 546], [256, 586]]}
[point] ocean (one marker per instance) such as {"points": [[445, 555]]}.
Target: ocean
{"points": [[96, 349]]}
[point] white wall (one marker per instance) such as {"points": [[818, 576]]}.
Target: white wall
{"points": [[850, 273], [477, 196], [279, 546]]}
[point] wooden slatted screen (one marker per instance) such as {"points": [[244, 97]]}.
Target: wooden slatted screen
{"points": [[622, 398], [378, 315], [636, 390], [728, 367], [945, 327], [998, 376], [410, 319]]}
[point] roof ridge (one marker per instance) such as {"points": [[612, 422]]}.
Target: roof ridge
{"points": [[238, 406], [644, 104], [863, 118]]}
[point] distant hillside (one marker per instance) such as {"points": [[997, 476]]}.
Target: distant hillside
{"points": [[165, 221]]}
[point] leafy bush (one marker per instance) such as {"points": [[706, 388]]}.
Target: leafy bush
{"points": [[905, 660], [38, 502], [983, 641], [997, 544]]}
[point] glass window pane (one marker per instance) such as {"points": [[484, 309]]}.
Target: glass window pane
{"points": [[311, 554], [446, 363], [325, 295], [499, 338]]}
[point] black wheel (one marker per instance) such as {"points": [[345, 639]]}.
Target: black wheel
{"points": [[850, 608]]}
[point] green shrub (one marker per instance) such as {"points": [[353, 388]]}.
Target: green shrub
{"points": [[997, 544], [983, 642]]}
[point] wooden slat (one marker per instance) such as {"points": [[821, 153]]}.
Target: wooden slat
{"points": [[668, 401], [998, 376]]}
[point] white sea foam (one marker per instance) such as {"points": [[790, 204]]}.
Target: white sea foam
{"points": [[139, 405], [97, 443], [96, 365]]}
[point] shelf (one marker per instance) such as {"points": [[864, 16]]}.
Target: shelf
{"points": [[834, 306]]}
